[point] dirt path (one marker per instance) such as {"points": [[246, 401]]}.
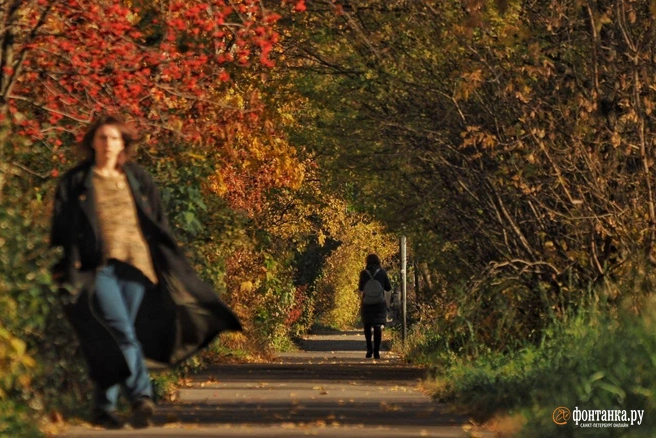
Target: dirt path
{"points": [[327, 389]]}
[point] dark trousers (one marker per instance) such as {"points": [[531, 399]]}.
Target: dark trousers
{"points": [[378, 336]]}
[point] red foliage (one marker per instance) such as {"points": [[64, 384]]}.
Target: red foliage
{"points": [[167, 69], [82, 57], [300, 296]]}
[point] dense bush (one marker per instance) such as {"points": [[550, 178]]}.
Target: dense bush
{"points": [[40, 364], [594, 360]]}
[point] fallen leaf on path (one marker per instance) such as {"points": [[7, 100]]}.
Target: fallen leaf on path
{"points": [[56, 417], [53, 428], [171, 425], [399, 388], [389, 407]]}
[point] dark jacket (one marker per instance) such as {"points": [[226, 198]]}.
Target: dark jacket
{"points": [[177, 317], [374, 313]]}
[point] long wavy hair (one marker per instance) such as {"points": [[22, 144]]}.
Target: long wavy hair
{"points": [[128, 134]]}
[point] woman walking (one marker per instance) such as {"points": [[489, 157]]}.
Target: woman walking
{"points": [[130, 294], [373, 311]]}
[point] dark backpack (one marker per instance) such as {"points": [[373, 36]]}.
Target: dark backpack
{"points": [[373, 290]]}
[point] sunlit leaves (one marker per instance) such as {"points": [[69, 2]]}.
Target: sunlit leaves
{"points": [[15, 363], [338, 299], [69, 60], [511, 137]]}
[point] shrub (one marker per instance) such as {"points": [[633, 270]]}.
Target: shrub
{"points": [[592, 361]]}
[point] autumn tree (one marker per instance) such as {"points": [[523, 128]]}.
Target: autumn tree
{"points": [[190, 74], [165, 64], [510, 140]]}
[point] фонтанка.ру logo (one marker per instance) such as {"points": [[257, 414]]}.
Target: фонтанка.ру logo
{"points": [[598, 417]]}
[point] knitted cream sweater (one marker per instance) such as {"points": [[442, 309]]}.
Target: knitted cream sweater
{"points": [[121, 234]]}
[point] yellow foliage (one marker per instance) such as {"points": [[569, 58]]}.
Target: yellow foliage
{"points": [[289, 216], [337, 290], [15, 363]]}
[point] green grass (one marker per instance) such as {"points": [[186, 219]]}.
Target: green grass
{"points": [[593, 361]]}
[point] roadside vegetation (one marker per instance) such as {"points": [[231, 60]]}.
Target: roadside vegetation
{"points": [[590, 360], [510, 141]]}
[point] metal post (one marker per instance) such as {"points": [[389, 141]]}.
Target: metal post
{"points": [[404, 296], [415, 268]]}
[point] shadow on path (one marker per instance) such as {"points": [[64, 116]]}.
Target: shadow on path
{"points": [[351, 340], [367, 373], [370, 413], [327, 389], [333, 345]]}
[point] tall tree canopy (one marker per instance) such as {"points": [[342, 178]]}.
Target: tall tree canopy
{"points": [[167, 65], [509, 139]]}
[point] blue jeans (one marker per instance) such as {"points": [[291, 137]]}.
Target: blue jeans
{"points": [[119, 291]]}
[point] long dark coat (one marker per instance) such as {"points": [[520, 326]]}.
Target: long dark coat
{"points": [[177, 317], [375, 314]]}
